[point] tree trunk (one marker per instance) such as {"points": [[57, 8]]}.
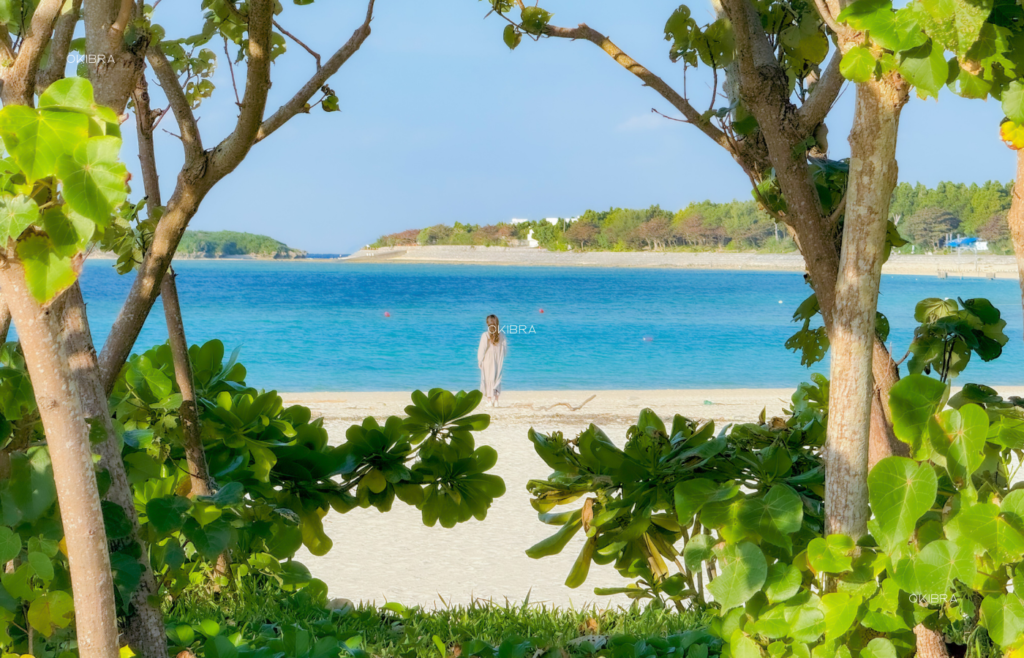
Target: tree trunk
{"points": [[64, 416], [195, 456], [144, 628], [1015, 218], [5, 319], [852, 393]]}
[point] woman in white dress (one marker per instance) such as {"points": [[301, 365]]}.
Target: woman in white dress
{"points": [[490, 357]]}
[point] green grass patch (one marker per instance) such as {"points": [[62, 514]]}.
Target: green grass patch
{"points": [[260, 610]]}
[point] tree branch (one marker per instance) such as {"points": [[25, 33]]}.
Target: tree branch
{"points": [[824, 94], [583, 31], [20, 79], [291, 36], [297, 103], [60, 45], [234, 147], [124, 15], [190, 138]]}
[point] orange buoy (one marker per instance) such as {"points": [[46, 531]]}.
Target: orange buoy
{"points": [[542, 310], [386, 314]]}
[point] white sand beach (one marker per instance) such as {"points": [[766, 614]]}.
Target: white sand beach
{"points": [[966, 264], [394, 557]]}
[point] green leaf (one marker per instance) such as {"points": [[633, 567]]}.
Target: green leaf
{"points": [[782, 583], [879, 648], [983, 524], [511, 36], [913, 400], [94, 179], [831, 555], [1013, 101], [68, 92], [10, 545], [1003, 617], [581, 567], [960, 437], [925, 67], [54, 608], [41, 564], [167, 514], [535, 20], [691, 495], [37, 139], [858, 64], [774, 516], [840, 613], [16, 214], [46, 272], [69, 235], [744, 571], [220, 647], [900, 491]]}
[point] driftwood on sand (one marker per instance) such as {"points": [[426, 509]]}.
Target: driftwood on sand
{"points": [[565, 404]]}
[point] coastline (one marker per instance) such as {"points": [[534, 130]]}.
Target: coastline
{"points": [[417, 565], [950, 265]]}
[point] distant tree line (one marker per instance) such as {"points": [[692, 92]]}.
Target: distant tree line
{"points": [[925, 216], [705, 225], [221, 244]]}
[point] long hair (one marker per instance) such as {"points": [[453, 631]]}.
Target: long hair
{"points": [[493, 329]]}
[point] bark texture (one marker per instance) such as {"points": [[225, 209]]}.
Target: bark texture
{"points": [[1015, 218], [144, 628], [872, 178], [67, 434], [195, 456]]}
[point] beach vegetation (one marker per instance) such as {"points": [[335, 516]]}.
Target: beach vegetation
{"points": [[483, 628], [274, 477], [740, 513]]}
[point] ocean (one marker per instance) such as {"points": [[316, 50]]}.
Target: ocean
{"points": [[323, 326]]}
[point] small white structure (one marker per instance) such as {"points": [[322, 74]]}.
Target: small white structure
{"points": [[513, 222], [530, 241]]}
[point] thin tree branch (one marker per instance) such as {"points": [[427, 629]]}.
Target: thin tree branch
{"points": [[190, 137], [651, 80], [7, 55], [826, 15], [291, 36], [234, 147], [297, 103], [824, 94], [124, 15], [231, 68], [60, 45], [20, 78]]}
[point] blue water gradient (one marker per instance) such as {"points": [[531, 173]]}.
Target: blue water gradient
{"points": [[321, 326]]}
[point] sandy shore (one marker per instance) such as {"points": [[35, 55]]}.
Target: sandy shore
{"points": [[964, 265], [394, 557]]}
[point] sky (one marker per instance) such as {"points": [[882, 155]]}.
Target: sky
{"points": [[441, 123]]}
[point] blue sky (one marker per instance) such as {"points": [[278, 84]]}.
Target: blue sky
{"points": [[440, 122]]}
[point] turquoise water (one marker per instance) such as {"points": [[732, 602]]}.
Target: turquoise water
{"points": [[321, 326]]}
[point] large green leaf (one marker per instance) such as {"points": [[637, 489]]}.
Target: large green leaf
{"points": [[983, 524], [46, 272], [94, 178], [925, 67], [744, 571], [960, 437], [930, 573], [53, 609], [10, 545], [16, 214], [858, 64], [37, 139], [1013, 101], [775, 515], [913, 400], [900, 491], [1003, 617]]}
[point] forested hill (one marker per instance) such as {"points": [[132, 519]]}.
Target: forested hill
{"points": [[924, 216], [234, 244]]}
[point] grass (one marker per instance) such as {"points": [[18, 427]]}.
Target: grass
{"points": [[394, 630]]}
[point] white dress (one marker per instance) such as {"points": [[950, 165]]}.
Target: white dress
{"points": [[490, 358]]}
